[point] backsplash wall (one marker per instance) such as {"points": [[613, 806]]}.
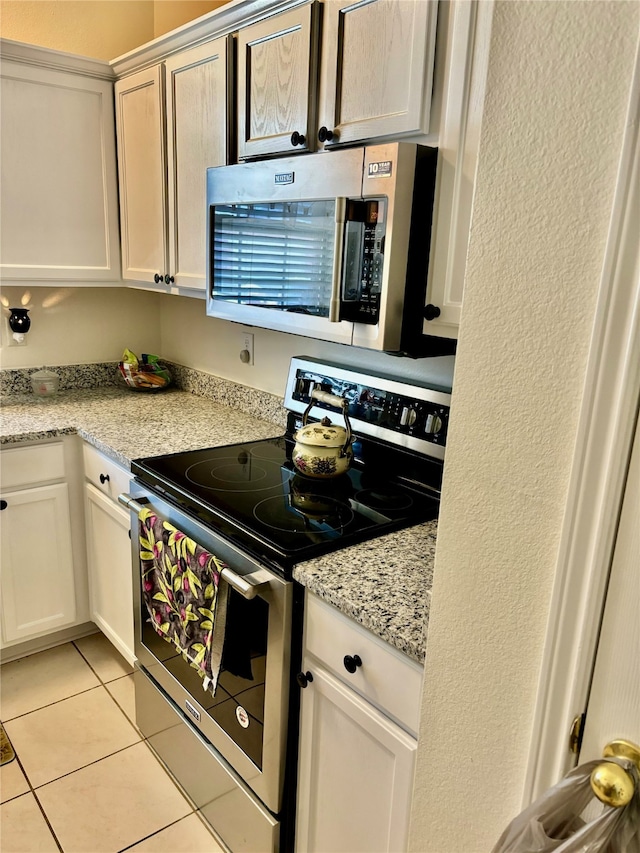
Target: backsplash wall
{"points": [[191, 338], [85, 325], [80, 325]]}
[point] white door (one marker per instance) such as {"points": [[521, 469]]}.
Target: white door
{"points": [[614, 701], [377, 62], [356, 771], [197, 119], [37, 581], [142, 174], [110, 577]]}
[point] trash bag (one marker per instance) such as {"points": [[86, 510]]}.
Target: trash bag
{"points": [[553, 823]]}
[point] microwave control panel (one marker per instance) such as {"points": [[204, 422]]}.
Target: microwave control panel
{"points": [[363, 266]]}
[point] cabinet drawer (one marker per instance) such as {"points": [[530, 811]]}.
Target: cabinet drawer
{"points": [[387, 678], [104, 473], [25, 466]]}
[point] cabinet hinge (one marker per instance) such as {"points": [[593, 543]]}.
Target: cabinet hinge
{"points": [[575, 735]]}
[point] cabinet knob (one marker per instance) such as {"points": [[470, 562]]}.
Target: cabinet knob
{"points": [[304, 678], [3, 504], [297, 138], [352, 663], [169, 279], [104, 478], [431, 312], [325, 135], [157, 278]]}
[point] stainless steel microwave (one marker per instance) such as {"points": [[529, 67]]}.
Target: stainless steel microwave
{"points": [[333, 245]]}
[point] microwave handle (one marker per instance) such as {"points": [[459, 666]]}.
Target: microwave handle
{"points": [[338, 251]]}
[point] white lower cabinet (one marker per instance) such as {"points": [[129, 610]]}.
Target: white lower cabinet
{"points": [[109, 551], [356, 763], [39, 586]]}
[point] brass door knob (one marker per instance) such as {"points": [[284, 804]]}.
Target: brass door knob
{"points": [[611, 783]]}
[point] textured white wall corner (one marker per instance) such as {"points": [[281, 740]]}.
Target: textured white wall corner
{"points": [[557, 92]]}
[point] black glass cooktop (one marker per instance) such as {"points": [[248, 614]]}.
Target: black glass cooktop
{"points": [[252, 494]]}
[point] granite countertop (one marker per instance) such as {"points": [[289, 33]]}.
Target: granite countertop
{"points": [[383, 584], [128, 424]]}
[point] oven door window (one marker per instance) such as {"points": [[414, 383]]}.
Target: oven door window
{"points": [[276, 255], [239, 701]]}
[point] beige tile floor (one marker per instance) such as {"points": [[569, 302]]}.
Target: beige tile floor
{"points": [[83, 780]]}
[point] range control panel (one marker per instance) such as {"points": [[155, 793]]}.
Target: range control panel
{"points": [[376, 406]]}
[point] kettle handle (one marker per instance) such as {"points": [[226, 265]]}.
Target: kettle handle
{"points": [[331, 400]]}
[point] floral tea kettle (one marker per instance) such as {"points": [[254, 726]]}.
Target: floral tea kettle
{"points": [[323, 450]]}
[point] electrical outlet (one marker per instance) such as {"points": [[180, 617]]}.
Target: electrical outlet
{"points": [[8, 338], [246, 350]]}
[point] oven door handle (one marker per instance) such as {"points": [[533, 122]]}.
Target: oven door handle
{"points": [[247, 585]]}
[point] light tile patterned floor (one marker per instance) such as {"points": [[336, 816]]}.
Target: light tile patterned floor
{"points": [[84, 781]]}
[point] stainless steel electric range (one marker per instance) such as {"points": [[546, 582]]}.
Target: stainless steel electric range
{"points": [[234, 751]]}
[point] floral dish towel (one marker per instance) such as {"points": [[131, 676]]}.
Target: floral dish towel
{"points": [[183, 592]]}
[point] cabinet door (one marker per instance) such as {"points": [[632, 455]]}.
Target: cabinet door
{"points": [[142, 174], [376, 68], [276, 83], [110, 578], [37, 582], [58, 194], [355, 772], [197, 137]]}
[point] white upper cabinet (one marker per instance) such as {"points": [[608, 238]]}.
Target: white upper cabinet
{"points": [[376, 65], [141, 161], [276, 83], [171, 124], [197, 137], [376, 69], [58, 190]]}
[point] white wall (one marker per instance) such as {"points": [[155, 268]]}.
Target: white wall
{"points": [[190, 337], [80, 325], [559, 76]]}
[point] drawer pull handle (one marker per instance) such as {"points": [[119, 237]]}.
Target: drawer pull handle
{"points": [[352, 663], [3, 504], [104, 478], [304, 678]]}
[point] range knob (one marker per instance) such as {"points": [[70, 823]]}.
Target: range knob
{"points": [[408, 417]]}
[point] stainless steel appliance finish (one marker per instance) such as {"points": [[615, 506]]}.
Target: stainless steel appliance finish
{"points": [[235, 752], [220, 794], [333, 245], [392, 410], [249, 774]]}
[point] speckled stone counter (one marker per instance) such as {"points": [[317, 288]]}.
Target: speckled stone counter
{"points": [[384, 584], [127, 424]]}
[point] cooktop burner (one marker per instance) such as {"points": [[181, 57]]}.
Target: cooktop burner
{"points": [[252, 493], [322, 516], [229, 474]]}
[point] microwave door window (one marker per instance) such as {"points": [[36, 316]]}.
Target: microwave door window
{"points": [[276, 255]]}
